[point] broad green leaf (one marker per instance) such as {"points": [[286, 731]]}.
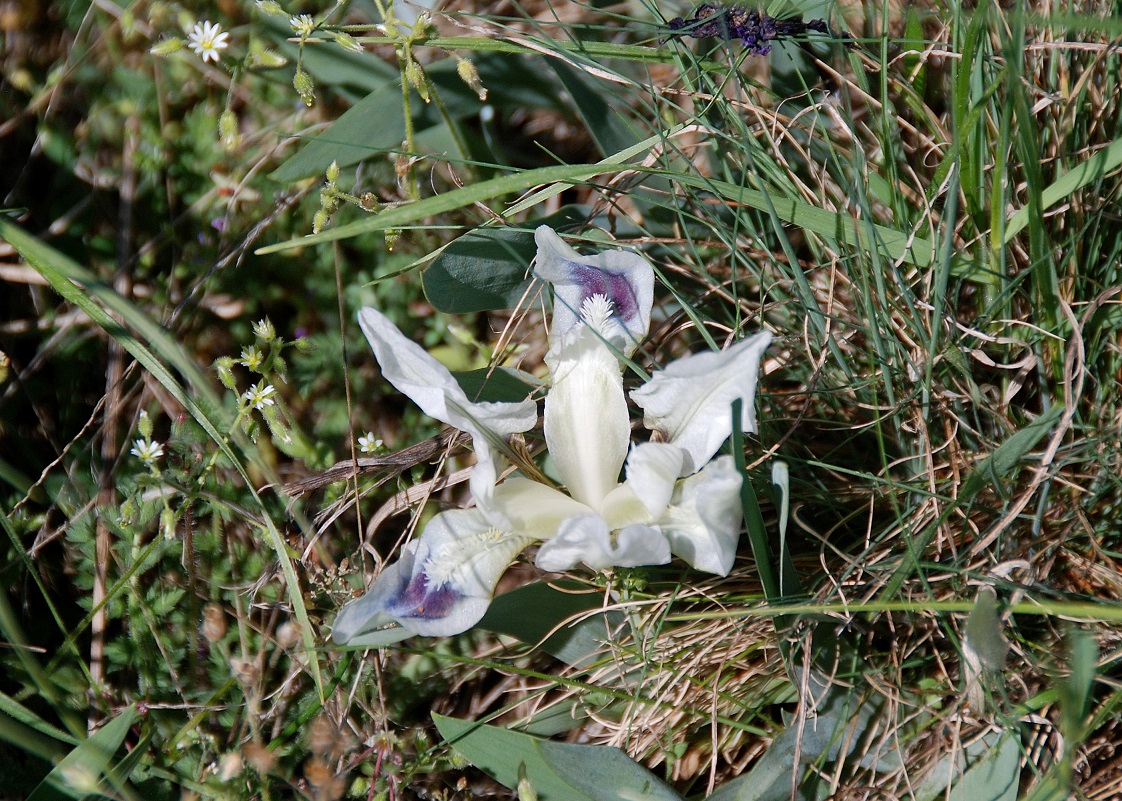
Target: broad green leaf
{"points": [[83, 769], [997, 466], [376, 123], [844, 719], [985, 770], [531, 612], [373, 125], [489, 268], [500, 385], [557, 771], [984, 632], [485, 269]]}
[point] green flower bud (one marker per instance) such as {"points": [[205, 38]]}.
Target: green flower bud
{"points": [[416, 79], [167, 47], [470, 75], [346, 41], [270, 7], [302, 82], [144, 425], [228, 129], [224, 366], [263, 57]]}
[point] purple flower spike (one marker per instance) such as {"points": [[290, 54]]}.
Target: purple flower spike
{"points": [[754, 28]]}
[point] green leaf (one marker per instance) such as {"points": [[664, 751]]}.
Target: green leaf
{"points": [[373, 125], [81, 771], [557, 771], [985, 770], [22, 714], [532, 611], [400, 216], [485, 269], [860, 234], [995, 467], [844, 718], [489, 268], [498, 385], [376, 123]]}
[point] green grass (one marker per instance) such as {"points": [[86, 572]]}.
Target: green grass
{"points": [[926, 219]]}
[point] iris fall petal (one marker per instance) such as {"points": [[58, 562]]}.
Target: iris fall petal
{"points": [[443, 582], [623, 277]]}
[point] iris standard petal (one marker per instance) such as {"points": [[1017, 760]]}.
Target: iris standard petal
{"points": [[430, 385], [586, 538], [443, 582], [703, 520], [652, 472], [624, 278], [587, 427], [689, 400]]}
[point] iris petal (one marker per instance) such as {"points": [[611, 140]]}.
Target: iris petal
{"points": [[703, 520], [587, 539], [443, 582], [430, 385], [587, 427], [689, 400], [623, 277]]}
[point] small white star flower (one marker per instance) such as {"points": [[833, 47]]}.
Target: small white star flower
{"points": [[263, 329], [303, 25], [367, 443], [207, 39], [146, 450], [260, 396], [252, 358]]}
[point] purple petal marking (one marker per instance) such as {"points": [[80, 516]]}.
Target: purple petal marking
{"points": [[418, 600], [613, 286]]}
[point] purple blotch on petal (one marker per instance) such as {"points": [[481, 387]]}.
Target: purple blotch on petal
{"points": [[613, 286], [418, 600]]}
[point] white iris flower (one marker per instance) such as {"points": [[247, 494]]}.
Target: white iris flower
{"points": [[676, 499]]}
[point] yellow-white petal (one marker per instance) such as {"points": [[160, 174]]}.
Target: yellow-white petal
{"points": [[587, 427]]}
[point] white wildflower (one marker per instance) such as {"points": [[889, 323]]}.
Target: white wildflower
{"points": [[260, 396], [367, 443], [146, 450], [303, 25], [206, 39]]}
